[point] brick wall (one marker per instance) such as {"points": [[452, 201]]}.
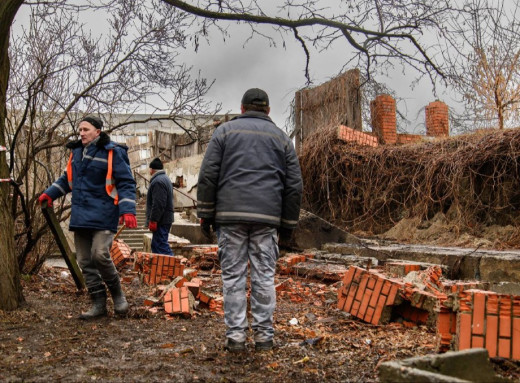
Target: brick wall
{"points": [[490, 320], [403, 138], [437, 122], [350, 135], [384, 123]]}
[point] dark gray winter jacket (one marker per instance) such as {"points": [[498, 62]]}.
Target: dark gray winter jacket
{"points": [[159, 200], [250, 174]]}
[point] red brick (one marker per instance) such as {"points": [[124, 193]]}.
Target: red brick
{"points": [[379, 309], [505, 316], [364, 303], [437, 119], [464, 341], [350, 299], [392, 294], [516, 339], [342, 299], [371, 282], [349, 275], [504, 348], [178, 301], [444, 323], [386, 287], [479, 308], [477, 341], [377, 291], [492, 335], [362, 285], [369, 314]]}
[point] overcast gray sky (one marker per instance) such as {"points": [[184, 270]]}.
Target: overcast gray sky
{"points": [[280, 72], [237, 65]]}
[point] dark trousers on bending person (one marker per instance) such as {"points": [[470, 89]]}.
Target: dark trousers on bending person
{"points": [[160, 240]]}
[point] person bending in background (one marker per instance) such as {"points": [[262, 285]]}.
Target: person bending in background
{"points": [[159, 208]]}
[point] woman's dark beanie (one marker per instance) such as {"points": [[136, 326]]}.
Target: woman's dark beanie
{"points": [[156, 164], [96, 122]]}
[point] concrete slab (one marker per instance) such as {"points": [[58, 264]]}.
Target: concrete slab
{"points": [[188, 229], [453, 366], [481, 264]]}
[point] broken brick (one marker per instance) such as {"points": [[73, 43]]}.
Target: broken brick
{"points": [[121, 254], [487, 319], [179, 301], [157, 268], [194, 286]]}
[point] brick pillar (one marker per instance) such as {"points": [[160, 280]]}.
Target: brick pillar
{"points": [[384, 123], [437, 123]]}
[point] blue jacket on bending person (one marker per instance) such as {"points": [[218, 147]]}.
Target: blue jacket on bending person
{"points": [[159, 208]]}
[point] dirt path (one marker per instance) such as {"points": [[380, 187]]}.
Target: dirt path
{"points": [[43, 341]]}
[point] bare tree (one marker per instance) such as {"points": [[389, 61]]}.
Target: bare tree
{"points": [[10, 287], [61, 72], [381, 33], [485, 62]]}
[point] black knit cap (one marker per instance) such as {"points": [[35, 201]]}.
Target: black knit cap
{"points": [[156, 164], [255, 96], [94, 121]]}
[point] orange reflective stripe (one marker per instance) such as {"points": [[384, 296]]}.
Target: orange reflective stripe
{"points": [[110, 185], [69, 171]]}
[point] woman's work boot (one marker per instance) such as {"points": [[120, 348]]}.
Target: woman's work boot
{"points": [[118, 296], [98, 295]]}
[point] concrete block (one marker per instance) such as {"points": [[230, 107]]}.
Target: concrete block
{"points": [[173, 240], [453, 366]]}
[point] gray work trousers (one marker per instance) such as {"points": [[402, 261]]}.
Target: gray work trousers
{"points": [[240, 244], [93, 256]]}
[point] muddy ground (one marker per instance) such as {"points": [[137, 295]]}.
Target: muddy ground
{"points": [[43, 341]]}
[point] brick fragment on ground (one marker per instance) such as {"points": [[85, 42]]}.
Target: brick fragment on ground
{"points": [[176, 283], [194, 286], [157, 268], [179, 301], [463, 315], [401, 268], [368, 295], [121, 255], [151, 301], [286, 263], [211, 300], [489, 320]]}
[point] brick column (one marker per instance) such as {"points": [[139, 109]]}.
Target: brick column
{"points": [[437, 123], [384, 123]]}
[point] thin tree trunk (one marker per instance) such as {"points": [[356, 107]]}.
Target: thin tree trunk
{"points": [[10, 288]]}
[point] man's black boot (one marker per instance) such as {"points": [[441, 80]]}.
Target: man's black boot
{"points": [[118, 296], [98, 295]]}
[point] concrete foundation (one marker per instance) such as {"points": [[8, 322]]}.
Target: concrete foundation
{"points": [[453, 366], [488, 265]]}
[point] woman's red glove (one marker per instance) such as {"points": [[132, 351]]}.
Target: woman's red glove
{"points": [[45, 197], [129, 220]]}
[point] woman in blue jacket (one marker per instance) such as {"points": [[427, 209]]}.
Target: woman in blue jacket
{"points": [[103, 191]]}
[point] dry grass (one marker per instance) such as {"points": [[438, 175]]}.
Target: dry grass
{"points": [[473, 179]]}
